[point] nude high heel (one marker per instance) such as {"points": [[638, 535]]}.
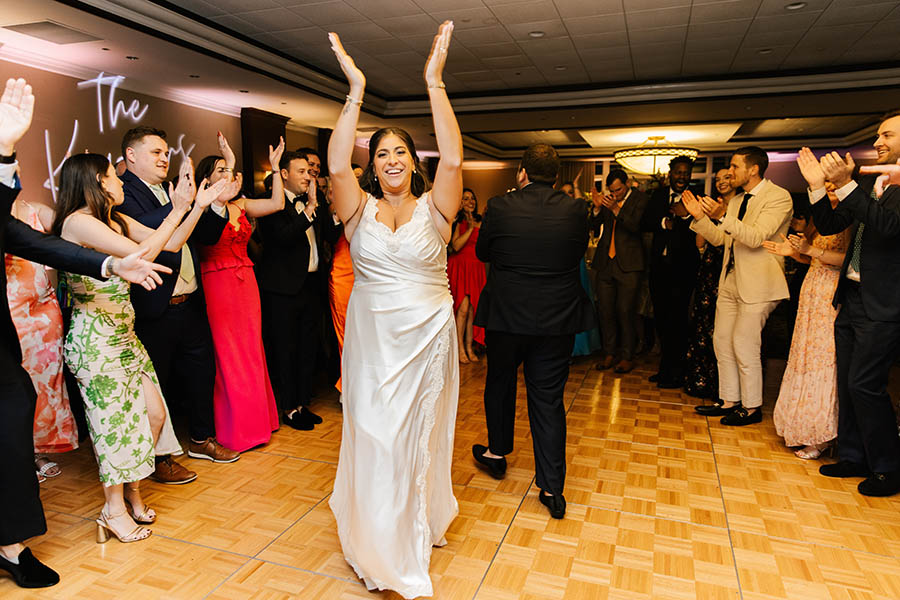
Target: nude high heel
{"points": [[104, 529]]}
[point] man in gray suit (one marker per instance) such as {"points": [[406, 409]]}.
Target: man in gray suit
{"points": [[617, 266]]}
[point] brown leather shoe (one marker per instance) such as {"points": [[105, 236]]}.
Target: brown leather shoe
{"points": [[212, 450], [171, 473], [605, 363], [624, 366]]}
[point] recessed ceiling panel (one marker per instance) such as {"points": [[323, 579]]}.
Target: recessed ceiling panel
{"points": [[708, 134]]}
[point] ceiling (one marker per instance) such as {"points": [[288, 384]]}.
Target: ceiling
{"points": [[822, 73]]}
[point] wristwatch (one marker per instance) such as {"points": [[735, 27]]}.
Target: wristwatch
{"points": [[8, 160]]}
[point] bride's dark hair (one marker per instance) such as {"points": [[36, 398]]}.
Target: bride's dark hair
{"points": [[369, 182]]}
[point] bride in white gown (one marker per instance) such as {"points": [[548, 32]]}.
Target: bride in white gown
{"points": [[393, 499]]}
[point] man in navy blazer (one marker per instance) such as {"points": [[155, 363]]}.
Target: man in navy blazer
{"points": [[171, 320]]}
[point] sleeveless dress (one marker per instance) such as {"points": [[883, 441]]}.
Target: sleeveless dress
{"points": [[393, 499], [243, 401], [108, 360], [340, 284], [701, 369], [467, 276], [35, 313], [806, 412]]}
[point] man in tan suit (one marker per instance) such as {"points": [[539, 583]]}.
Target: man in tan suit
{"points": [[751, 284]]}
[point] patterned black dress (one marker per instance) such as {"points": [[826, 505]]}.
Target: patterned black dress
{"points": [[701, 369]]}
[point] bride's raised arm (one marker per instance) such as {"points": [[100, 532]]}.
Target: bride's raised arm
{"points": [[348, 196], [446, 193]]}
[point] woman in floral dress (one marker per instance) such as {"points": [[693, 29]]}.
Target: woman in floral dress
{"points": [[126, 414]]}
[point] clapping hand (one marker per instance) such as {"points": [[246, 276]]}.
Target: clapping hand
{"points": [[714, 209], [610, 203], [230, 190], [210, 193], [434, 66], [838, 171], [354, 76], [275, 155], [799, 243], [16, 111], [312, 199], [782, 248], [596, 198], [133, 268], [226, 151], [811, 169], [889, 175], [690, 204], [182, 195]]}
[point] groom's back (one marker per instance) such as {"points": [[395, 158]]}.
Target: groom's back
{"points": [[534, 240]]}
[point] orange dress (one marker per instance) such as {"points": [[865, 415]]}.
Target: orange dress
{"points": [[340, 284], [35, 313], [467, 277]]}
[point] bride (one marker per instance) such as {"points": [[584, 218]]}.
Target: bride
{"points": [[393, 498]]}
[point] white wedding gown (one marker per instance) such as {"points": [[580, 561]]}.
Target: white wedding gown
{"points": [[393, 499]]}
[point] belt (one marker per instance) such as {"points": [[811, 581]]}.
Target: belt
{"points": [[179, 299]]}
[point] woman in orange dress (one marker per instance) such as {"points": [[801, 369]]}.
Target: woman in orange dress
{"points": [[36, 315], [467, 275], [340, 283]]}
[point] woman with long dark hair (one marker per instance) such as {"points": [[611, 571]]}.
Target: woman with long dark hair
{"points": [[126, 414], [393, 497], [467, 275]]}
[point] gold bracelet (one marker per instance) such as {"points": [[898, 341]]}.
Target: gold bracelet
{"points": [[438, 86], [353, 100]]}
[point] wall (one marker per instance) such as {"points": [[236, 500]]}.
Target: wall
{"points": [[72, 118], [487, 183]]}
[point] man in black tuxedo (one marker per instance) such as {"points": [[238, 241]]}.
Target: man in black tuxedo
{"points": [[292, 280], [617, 266], [674, 259], [171, 320], [531, 308], [21, 513], [867, 327]]}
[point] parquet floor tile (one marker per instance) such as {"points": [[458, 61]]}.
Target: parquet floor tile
{"points": [[663, 505]]}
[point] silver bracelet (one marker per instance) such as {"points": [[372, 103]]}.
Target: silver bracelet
{"points": [[438, 86], [353, 100]]}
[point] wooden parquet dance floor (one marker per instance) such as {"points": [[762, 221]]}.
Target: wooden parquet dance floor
{"points": [[663, 504]]}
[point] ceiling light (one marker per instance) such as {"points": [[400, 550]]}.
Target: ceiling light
{"points": [[194, 76], [132, 58], [560, 68], [795, 6], [652, 156], [105, 49], [244, 91], [766, 51], [536, 34]]}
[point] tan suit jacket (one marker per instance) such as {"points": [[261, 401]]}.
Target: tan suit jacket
{"points": [[759, 274]]}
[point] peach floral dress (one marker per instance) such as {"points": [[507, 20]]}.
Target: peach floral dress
{"points": [[35, 313], [806, 412]]}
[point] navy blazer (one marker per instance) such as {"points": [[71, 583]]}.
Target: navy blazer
{"points": [[879, 260], [534, 239], [142, 205]]}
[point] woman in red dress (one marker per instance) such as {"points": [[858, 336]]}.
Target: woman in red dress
{"points": [[243, 402], [467, 276]]}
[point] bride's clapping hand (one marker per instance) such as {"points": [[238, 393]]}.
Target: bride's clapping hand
{"points": [[354, 76], [434, 66]]}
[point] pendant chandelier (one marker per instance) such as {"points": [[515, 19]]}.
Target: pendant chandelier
{"points": [[653, 156]]}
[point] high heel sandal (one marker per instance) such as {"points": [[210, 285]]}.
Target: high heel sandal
{"points": [[814, 452], [147, 516], [104, 529]]}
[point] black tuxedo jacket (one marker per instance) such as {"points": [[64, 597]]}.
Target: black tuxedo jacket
{"points": [[679, 243], [534, 239], [879, 260], [629, 238], [284, 263], [20, 239], [142, 205]]}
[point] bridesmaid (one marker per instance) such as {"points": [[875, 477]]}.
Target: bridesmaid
{"points": [[806, 412], [467, 275], [340, 281], [126, 414], [36, 315], [243, 401], [701, 368]]}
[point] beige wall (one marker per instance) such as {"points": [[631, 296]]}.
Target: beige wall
{"points": [[488, 183], [59, 103], [299, 139]]}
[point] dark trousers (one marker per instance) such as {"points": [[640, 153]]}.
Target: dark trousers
{"points": [[546, 360], [616, 299], [670, 291], [865, 349], [180, 345], [291, 331], [21, 512]]}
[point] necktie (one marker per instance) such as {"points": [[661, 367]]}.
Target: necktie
{"points": [[857, 240], [742, 210], [186, 273]]}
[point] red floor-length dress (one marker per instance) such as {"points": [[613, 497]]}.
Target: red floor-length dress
{"points": [[467, 276], [245, 410]]}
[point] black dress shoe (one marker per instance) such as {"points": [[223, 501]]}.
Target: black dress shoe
{"points": [[716, 409], [311, 416], [844, 468], [880, 484], [555, 504], [298, 421], [30, 572], [496, 467], [741, 416], [653, 378]]}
